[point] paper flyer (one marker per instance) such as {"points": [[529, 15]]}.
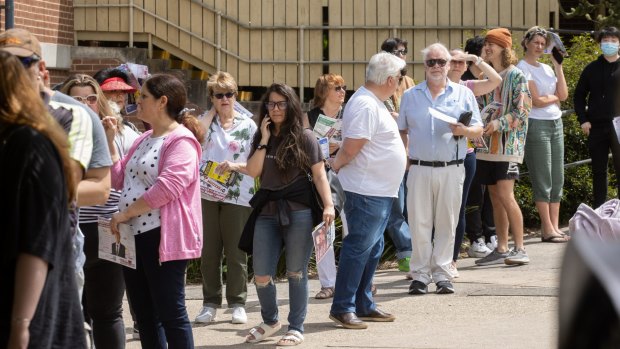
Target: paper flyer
{"points": [[441, 116], [121, 251], [555, 41], [323, 238], [328, 127], [324, 144], [213, 184], [616, 123]]}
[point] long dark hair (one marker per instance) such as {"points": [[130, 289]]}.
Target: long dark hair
{"points": [[174, 89], [290, 152]]}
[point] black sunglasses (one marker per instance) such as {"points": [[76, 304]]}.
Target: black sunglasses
{"points": [[341, 88], [432, 62], [228, 95], [27, 62], [402, 52]]}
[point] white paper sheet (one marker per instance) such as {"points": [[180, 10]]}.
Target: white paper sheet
{"points": [[441, 116], [123, 251]]}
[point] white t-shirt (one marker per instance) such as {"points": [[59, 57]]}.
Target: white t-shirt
{"points": [[545, 81], [378, 169], [141, 173]]}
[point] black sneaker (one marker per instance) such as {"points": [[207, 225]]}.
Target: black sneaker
{"points": [[444, 287], [418, 287]]}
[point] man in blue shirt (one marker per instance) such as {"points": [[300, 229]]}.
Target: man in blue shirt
{"points": [[436, 149]]}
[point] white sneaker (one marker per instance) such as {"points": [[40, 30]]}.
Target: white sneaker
{"points": [[493, 244], [239, 316], [453, 271], [206, 315], [478, 249]]}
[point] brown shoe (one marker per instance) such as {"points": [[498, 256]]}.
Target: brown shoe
{"points": [[378, 315], [348, 320]]}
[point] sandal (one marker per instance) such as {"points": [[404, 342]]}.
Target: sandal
{"points": [[324, 293], [558, 239], [291, 338], [258, 336]]}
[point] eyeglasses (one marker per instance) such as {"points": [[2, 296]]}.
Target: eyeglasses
{"points": [[402, 52], [90, 99], [228, 95], [342, 88], [282, 105], [457, 62], [432, 62], [27, 62], [537, 31]]}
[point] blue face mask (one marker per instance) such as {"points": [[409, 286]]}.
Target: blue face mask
{"points": [[609, 48]]}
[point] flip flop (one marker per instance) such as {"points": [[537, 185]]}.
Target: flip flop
{"points": [[557, 239]]}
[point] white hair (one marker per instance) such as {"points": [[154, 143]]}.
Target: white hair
{"points": [[439, 47], [383, 65]]}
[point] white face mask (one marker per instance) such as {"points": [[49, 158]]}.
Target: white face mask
{"points": [[609, 48]]}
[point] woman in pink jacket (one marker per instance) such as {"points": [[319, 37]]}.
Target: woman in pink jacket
{"points": [[160, 203]]}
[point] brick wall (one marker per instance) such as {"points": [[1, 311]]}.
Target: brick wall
{"points": [[51, 21], [91, 66]]}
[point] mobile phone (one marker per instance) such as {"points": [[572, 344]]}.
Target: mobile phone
{"points": [[130, 109]]}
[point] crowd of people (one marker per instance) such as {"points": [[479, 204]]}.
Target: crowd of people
{"points": [[407, 160]]}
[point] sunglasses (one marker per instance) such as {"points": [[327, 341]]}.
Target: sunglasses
{"points": [[27, 62], [432, 62], [282, 105], [402, 52], [228, 95], [90, 99], [340, 88]]}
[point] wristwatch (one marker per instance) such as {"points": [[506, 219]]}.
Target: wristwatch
{"points": [[261, 146]]}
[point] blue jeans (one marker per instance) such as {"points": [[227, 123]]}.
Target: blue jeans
{"points": [[470, 170], [397, 227], [269, 238], [367, 218], [157, 293]]}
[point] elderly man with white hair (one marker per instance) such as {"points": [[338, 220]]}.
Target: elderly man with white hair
{"points": [[370, 165], [429, 114]]}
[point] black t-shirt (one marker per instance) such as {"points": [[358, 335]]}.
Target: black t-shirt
{"points": [[273, 179], [35, 220]]}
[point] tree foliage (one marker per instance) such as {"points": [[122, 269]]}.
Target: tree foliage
{"points": [[603, 12]]}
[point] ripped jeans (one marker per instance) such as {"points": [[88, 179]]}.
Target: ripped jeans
{"points": [[269, 238]]}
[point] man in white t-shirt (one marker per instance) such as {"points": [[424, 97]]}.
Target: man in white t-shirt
{"points": [[370, 165]]}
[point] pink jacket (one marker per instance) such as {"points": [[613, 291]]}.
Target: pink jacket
{"points": [[176, 193]]}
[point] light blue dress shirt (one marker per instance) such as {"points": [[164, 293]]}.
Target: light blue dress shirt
{"points": [[431, 139]]}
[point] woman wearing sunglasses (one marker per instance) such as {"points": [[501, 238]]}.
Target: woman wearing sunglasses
{"points": [[329, 94], [544, 153], [104, 285], [225, 199], [505, 130], [284, 155]]}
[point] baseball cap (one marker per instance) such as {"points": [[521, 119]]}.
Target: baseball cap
{"points": [[20, 42]]}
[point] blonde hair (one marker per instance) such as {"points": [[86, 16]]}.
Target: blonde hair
{"points": [[221, 81], [323, 84]]}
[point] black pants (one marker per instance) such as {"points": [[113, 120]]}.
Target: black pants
{"points": [[600, 141], [479, 212], [103, 293]]}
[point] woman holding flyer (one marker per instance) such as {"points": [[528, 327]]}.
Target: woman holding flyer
{"points": [[225, 199], [160, 203], [284, 155], [329, 93], [544, 153], [104, 285]]}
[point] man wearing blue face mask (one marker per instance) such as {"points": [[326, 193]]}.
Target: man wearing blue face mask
{"points": [[598, 88]]}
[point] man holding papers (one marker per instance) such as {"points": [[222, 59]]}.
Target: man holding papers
{"points": [[429, 115]]}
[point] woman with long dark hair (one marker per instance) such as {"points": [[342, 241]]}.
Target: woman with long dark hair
{"points": [[285, 156], [160, 203]]}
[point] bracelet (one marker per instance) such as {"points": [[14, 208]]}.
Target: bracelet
{"points": [[262, 146], [478, 60]]}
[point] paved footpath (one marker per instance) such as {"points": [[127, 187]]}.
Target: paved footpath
{"points": [[493, 307]]}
